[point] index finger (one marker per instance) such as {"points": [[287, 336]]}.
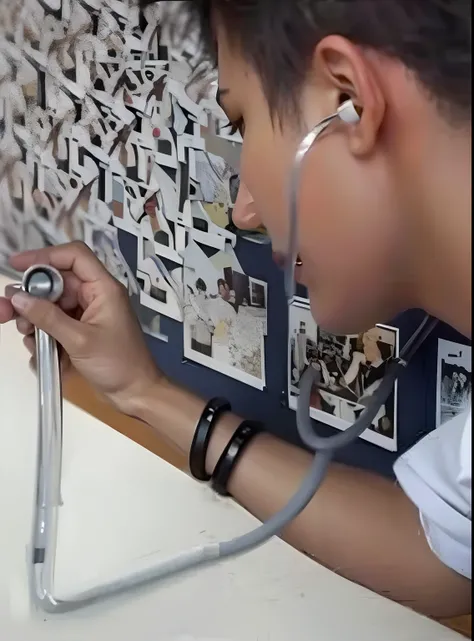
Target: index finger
{"points": [[75, 257], [7, 313]]}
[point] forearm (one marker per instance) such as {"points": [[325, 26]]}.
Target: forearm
{"points": [[174, 413], [359, 524]]}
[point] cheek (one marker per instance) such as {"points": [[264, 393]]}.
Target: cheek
{"points": [[347, 224]]}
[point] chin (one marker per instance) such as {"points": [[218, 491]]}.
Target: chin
{"points": [[340, 319]]}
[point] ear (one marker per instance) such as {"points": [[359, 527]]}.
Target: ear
{"points": [[345, 70]]}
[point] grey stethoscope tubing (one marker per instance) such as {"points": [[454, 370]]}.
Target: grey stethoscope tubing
{"points": [[44, 281]]}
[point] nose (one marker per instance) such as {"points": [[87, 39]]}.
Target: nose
{"points": [[244, 214]]}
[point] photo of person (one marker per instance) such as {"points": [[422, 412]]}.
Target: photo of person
{"points": [[203, 328], [454, 380], [350, 369], [303, 344], [224, 327]]}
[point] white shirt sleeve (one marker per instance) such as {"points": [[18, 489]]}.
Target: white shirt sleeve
{"points": [[436, 474]]}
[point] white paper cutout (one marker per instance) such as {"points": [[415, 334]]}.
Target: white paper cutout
{"points": [[104, 242], [104, 129], [161, 291]]}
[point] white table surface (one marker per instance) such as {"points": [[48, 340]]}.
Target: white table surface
{"points": [[122, 505]]}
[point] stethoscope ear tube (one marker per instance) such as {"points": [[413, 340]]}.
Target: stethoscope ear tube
{"points": [[312, 378]]}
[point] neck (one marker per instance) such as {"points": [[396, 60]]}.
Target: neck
{"points": [[441, 228]]}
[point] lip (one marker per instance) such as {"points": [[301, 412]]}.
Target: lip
{"points": [[299, 274], [279, 259]]}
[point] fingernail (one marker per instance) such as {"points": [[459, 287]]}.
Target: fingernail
{"points": [[21, 301], [13, 257], [11, 290]]}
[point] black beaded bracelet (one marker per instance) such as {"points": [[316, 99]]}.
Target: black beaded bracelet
{"points": [[242, 437], [202, 436]]}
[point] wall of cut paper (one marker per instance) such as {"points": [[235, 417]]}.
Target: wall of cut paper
{"points": [[110, 135]]}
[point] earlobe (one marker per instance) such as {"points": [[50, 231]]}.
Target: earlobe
{"points": [[363, 136]]}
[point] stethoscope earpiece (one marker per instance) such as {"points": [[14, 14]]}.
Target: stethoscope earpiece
{"points": [[349, 113]]}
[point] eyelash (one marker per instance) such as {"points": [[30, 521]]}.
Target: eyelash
{"points": [[237, 126]]}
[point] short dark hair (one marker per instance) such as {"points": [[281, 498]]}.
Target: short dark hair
{"points": [[201, 285], [432, 38]]}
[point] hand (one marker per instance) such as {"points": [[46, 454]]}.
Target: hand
{"points": [[93, 322]]}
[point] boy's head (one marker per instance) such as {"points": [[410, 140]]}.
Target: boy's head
{"points": [[369, 192], [201, 285]]}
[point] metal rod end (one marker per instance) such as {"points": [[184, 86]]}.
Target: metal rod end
{"points": [[43, 281]]}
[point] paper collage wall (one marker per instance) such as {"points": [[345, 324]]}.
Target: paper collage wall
{"points": [[105, 127]]}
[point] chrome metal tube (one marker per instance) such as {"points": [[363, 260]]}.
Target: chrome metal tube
{"points": [[50, 446], [43, 281]]}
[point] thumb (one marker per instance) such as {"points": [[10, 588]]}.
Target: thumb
{"points": [[49, 317]]}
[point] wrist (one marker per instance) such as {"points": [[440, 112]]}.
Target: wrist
{"points": [[174, 413], [170, 410], [147, 398]]}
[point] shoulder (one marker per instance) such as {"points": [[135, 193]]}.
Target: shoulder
{"points": [[436, 474]]}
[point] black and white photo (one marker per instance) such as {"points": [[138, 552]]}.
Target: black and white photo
{"points": [[454, 380], [350, 370]]}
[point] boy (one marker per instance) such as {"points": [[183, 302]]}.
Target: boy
{"points": [[393, 195]]}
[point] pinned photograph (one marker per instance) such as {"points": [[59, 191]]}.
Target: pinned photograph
{"points": [[160, 231], [454, 380], [225, 315], [351, 369]]}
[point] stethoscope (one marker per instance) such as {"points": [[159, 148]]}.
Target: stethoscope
{"points": [[46, 282]]}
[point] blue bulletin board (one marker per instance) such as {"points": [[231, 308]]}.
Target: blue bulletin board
{"points": [[417, 387]]}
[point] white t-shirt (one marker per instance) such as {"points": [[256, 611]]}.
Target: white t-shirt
{"points": [[436, 474]]}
